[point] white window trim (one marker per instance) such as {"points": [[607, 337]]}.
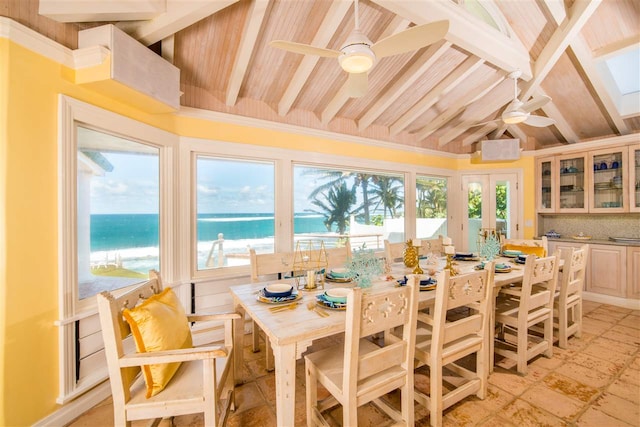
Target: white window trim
{"points": [[71, 112], [285, 160]]}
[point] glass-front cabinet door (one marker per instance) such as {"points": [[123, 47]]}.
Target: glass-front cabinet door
{"points": [[609, 180], [572, 191], [634, 178], [547, 175]]}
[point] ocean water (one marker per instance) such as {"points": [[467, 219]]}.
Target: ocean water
{"points": [[133, 238]]}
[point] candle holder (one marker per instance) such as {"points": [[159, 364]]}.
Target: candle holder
{"points": [[449, 265]]}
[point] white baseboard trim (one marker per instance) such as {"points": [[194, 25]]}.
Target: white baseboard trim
{"points": [[77, 407], [633, 304]]}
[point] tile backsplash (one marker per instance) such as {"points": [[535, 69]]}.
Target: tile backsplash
{"points": [[598, 226]]}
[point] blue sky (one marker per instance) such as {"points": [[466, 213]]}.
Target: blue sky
{"points": [[224, 186]]}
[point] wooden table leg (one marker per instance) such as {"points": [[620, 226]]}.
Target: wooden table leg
{"points": [[285, 364]]}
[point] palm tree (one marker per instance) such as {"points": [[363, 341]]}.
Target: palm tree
{"points": [[432, 197], [388, 193], [337, 206]]}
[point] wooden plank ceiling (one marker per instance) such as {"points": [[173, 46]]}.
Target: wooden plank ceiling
{"points": [[433, 98]]}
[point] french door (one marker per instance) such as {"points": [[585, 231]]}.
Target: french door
{"points": [[489, 202]]}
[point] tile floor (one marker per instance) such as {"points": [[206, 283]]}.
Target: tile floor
{"points": [[595, 382]]}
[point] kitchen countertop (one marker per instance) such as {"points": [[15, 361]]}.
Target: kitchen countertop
{"points": [[591, 241]]}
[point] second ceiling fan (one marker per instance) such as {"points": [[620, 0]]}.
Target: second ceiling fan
{"points": [[358, 54]]}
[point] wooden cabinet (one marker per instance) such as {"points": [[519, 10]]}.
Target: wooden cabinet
{"points": [[606, 271], [564, 246], [608, 189], [547, 175], [572, 195], [633, 272], [634, 178]]}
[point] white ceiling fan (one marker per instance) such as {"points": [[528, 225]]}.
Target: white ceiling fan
{"points": [[358, 54], [520, 112]]}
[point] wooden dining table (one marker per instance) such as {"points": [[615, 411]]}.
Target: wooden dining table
{"points": [[292, 331]]}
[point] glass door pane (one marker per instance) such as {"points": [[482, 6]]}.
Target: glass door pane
{"points": [[572, 183], [608, 179], [634, 164]]}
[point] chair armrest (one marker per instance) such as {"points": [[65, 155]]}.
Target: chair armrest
{"points": [[170, 356], [195, 317]]}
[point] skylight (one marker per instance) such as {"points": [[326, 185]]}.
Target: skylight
{"points": [[625, 70], [619, 71]]}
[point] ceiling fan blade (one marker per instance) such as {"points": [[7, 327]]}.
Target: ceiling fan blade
{"points": [[357, 84], [535, 103], [539, 121], [304, 49], [413, 38]]}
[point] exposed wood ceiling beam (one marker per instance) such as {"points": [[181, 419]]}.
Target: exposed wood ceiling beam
{"points": [[579, 14], [585, 58], [447, 84], [179, 15], [480, 133], [100, 11], [561, 124], [492, 46], [615, 48], [396, 25], [167, 48], [517, 132], [404, 82], [250, 33], [328, 28]]}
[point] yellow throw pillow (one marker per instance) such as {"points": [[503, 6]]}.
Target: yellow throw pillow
{"points": [[159, 323], [529, 250]]}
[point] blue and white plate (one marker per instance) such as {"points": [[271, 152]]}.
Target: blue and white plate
{"points": [[260, 296], [322, 301]]}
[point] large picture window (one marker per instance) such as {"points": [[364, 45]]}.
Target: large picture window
{"points": [[364, 207], [118, 204], [235, 210], [431, 207]]}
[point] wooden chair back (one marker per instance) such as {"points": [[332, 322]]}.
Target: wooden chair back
{"points": [[431, 245], [568, 304], [204, 382], [282, 262], [440, 343], [394, 251], [366, 370], [527, 246], [539, 282]]}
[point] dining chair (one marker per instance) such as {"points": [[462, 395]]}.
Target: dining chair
{"points": [[363, 370], [166, 376], [539, 247], [394, 251], [441, 343], [280, 266], [518, 309], [568, 298]]}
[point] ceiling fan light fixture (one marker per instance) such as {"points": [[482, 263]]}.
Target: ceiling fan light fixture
{"points": [[514, 117], [357, 58]]}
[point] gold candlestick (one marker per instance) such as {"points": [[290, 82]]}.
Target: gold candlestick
{"points": [[449, 266]]}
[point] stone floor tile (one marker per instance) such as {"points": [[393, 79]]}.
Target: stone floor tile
{"points": [[631, 322], [585, 374], [593, 417], [636, 363], [496, 398], [554, 402], [608, 353], [190, 420], [247, 396], [605, 342], [626, 330], [590, 361], [509, 381], [465, 413], [631, 375], [496, 421], [589, 306], [259, 416], [523, 414], [570, 387], [613, 334], [616, 312], [619, 408], [626, 390], [606, 316], [594, 326], [546, 363]]}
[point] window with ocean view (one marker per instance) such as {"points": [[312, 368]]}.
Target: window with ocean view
{"points": [[431, 207], [235, 202], [118, 190], [334, 205]]}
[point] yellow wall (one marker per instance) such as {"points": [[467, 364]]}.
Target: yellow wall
{"points": [[28, 220]]}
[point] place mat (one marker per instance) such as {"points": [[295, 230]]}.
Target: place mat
{"points": [[277, 300], [334, 279], [325, 303]]}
